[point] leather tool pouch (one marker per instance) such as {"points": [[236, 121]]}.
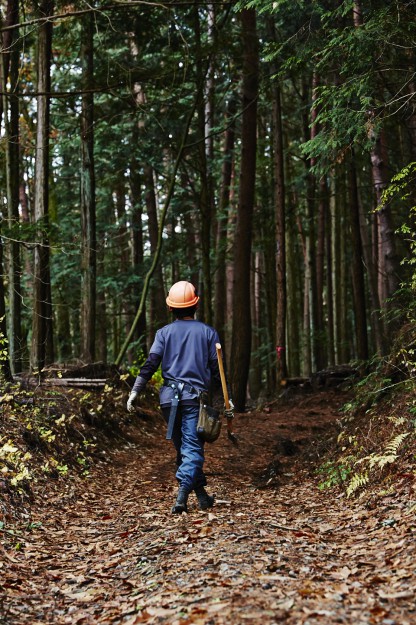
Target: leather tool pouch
{"points": [[209, 422]]}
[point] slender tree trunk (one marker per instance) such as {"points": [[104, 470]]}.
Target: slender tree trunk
{"points": [[279, 194], [358, 284], [124, 261], [330, 286], [357, 13], [255, 378], [336, 265], [376, 321], [158, 292], [316, 342], [5, 359], [222, 223], [88, 217], [343, 300], [387, 258], [204, 200], [266, 239], [137, 239], [63, 326], [42, 337], [294, 290], [307, 343], [9, 72], [320, 273], [241, 334]]}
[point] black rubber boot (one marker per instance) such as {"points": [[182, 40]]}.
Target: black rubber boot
{"points": [[181, 501], [205, 501]]}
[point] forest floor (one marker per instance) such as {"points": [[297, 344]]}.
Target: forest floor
{"points": [[275, 548]]}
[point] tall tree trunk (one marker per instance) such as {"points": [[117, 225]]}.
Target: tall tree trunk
{"points": [[279, 195], [137, 239], [358, 284], [9, 72], [310, 131], [387, 258], [336, 264], [42, 336], [222, 222], [88, 217], [330, 285], [241, 333], [5, 358], [294, 289], [158, 291], [376, 321], [123, 260], [320, 273], [255, 377], [342, 291], [204, 200], [307, 342]]}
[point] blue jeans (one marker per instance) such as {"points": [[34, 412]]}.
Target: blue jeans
{"points": [[189, 447]]}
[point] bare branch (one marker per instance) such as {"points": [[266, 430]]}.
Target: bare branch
{"points": [[103, 9]]}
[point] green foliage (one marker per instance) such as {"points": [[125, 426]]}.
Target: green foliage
{"points": [[134, 369], [14, 463], [402, 187], [387, 432], [332, 473], [42, 435]]}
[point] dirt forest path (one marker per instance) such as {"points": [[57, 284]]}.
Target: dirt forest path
{"points": [[274, 549]]}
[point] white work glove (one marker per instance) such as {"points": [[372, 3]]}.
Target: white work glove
{"points": [[130, 401], [229, 414]]}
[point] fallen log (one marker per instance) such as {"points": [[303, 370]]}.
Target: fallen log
{"points": [[73, 382]]}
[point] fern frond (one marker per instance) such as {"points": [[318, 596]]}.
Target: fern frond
{"points": [[393, 446], [357, 481], [397, 420], [381, 461]]}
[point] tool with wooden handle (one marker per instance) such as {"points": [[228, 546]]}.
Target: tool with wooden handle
{"points": [[230, 433]]}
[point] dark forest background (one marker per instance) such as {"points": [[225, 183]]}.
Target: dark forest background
{"points": [[265, 151]]}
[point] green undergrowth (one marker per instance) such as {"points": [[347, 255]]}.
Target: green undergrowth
{"points": [[375, 449], [53, 435]]}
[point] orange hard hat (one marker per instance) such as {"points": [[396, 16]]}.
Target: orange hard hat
{"points": [[182, 295]]}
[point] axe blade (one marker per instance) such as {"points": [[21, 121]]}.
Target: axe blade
{"points": [[232, 437]]}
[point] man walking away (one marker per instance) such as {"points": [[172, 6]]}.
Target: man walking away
{"points": [[186, 350]]}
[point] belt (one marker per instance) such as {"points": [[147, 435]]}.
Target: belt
{"points": [[183, 386], [178, 387]]}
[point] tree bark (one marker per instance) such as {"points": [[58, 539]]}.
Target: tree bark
{"points": [[387, 259], [280, 211], [320, 273], [137, 239], [388, 262], [9, 72], [88, 217], [222, 223], [358, 285], [204, 200], [255, 377], [330, 286], [158, 290], [241, 333], [315, 304], [42, 336], [5, 359]]}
